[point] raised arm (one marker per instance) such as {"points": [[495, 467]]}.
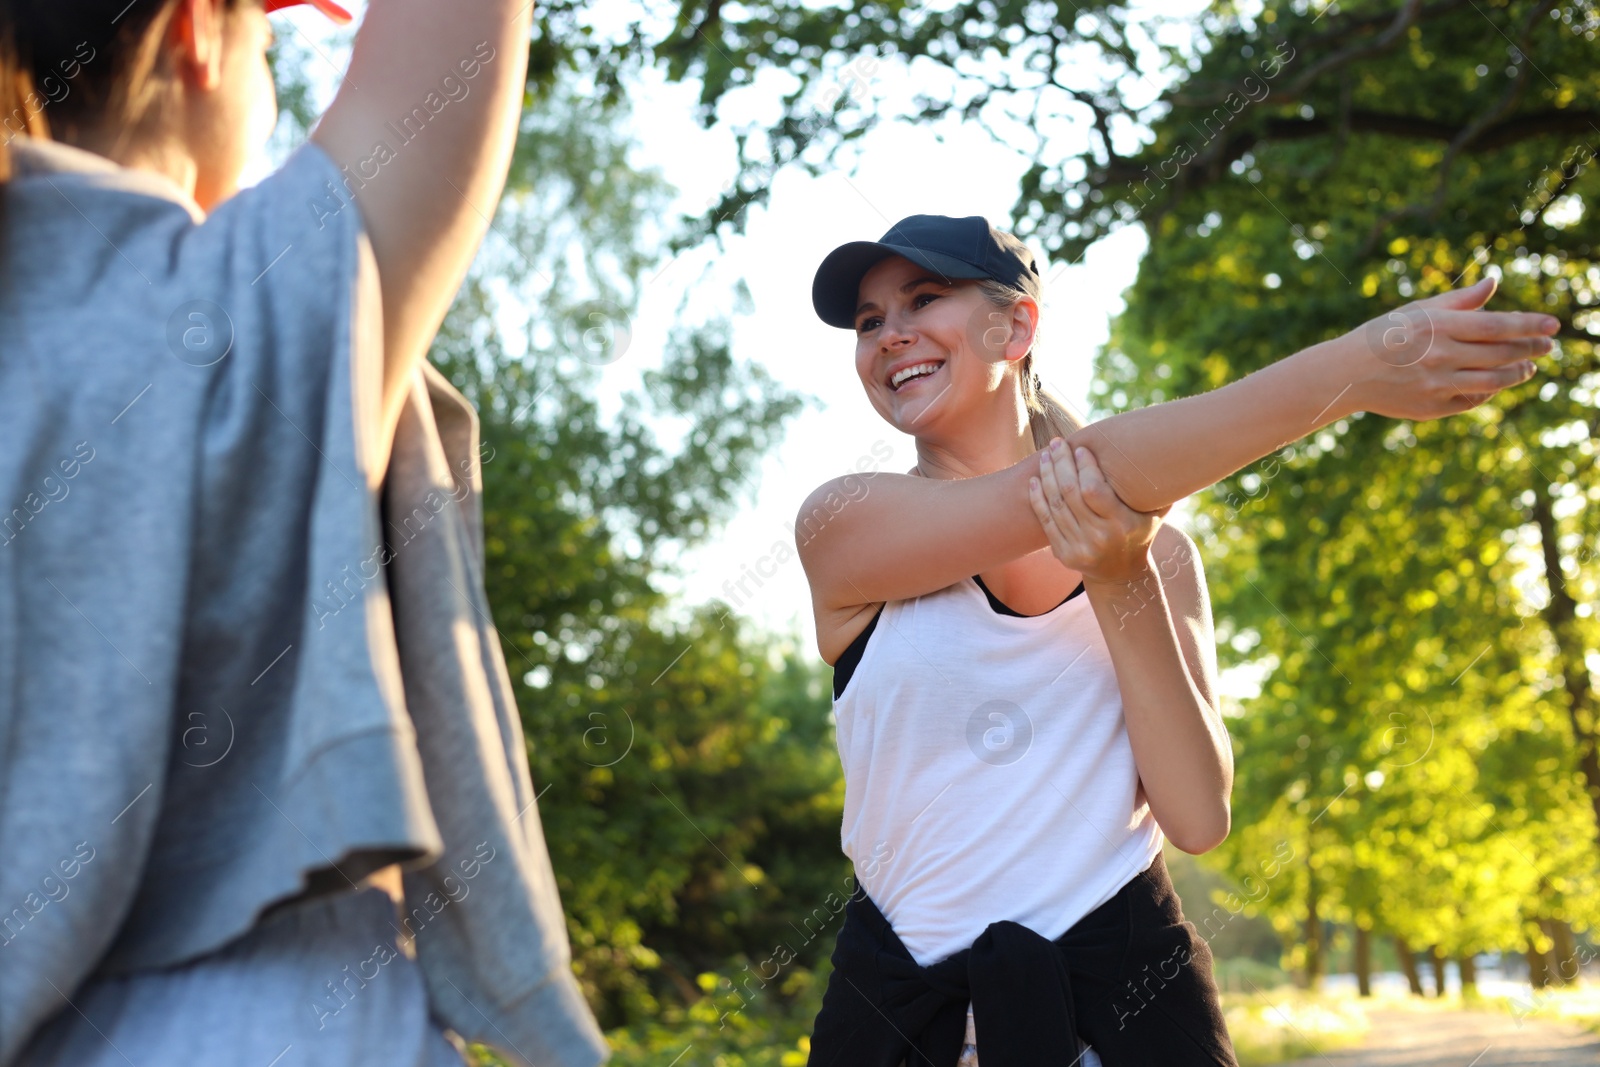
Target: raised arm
{"points": [[424, 124], [865, 539]]}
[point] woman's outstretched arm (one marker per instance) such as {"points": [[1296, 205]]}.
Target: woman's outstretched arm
{"points": [[869, 538], [1431, 358]]}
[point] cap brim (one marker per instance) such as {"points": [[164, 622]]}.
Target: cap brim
{"points": [[327, 7], [836, 288]]}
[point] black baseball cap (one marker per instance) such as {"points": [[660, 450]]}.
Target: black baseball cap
{"points": [[953, 248]]}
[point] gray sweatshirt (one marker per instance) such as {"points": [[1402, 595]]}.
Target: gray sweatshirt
{"points": [[232, 674]]}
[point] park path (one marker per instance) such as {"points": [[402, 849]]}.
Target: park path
{"points": [[1465, 1039]]}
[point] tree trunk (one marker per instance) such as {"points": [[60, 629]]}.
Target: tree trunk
{"points": [[1313, 931], [1564, 963], [1408, 964], [1363, 960], [1436, 961], [1583, 710], [1538, 967], [1469, 974]]}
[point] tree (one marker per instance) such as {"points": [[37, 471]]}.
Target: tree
{"points": [[687, 779], [1419, 592], [1420, 596], [690, 789], [1412, 589], [1302, 169], [1299, 171]]}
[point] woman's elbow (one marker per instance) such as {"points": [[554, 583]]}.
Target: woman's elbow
{"points": [[1199, 835]]}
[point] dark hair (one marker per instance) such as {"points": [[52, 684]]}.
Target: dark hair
{"points": [[67, 67], [1048, 415]]}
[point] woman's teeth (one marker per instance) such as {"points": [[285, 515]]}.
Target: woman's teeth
{"points": [[918, 370]]}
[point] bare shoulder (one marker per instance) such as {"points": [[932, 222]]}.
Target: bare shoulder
{"points": [[817, 512], [871, 537], [840, 611]]}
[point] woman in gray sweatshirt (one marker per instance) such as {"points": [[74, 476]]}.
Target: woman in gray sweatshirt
{"points": [[264, 794]]}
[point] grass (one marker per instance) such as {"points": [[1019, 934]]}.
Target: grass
{"points": [[1286, 1024], [1269, 1026], [723, 1029]]}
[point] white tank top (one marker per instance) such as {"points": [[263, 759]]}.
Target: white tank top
{"points": [[988, 773]]}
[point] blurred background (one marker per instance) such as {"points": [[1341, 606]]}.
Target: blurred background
{"points": [[1405, 613]]}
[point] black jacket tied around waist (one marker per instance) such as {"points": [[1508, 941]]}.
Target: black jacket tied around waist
{"points": [[1131, 977]]}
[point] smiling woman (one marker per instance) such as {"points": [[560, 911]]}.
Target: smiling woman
{"points": [[1046, 711], [985, 323]]}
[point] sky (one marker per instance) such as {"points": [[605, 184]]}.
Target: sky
{"points": [[899, 170]]}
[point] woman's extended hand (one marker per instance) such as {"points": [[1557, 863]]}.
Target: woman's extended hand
{"points": [[1444, 354], [1089, 528]]}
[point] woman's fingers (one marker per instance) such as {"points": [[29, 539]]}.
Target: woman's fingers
{"points": [[1485, 383], [1473, 296], [1059, 477], [1088, 526], [1052, 532], [1048, 482], [1098, 496], [1407, 337], [1061, 528], [1446, 355], [1494, 325], [1482, 356]]}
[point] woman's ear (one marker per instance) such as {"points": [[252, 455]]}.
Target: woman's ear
{"points": [[1024, 325], [196, 37]]}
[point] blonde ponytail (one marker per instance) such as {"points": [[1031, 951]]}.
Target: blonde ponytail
{"points": [[1048, 415]]}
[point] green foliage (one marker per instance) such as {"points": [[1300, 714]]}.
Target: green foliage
{"points": [[1246, 975], [724, 1027], [288, 59], [1424, 726], [688, 783], [1417, 597], [689, 787]]}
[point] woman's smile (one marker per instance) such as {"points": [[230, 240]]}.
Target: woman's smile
{"points": [[907, 375]]}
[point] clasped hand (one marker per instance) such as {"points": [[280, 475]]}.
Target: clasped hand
{"points": [[1089, 528]]}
